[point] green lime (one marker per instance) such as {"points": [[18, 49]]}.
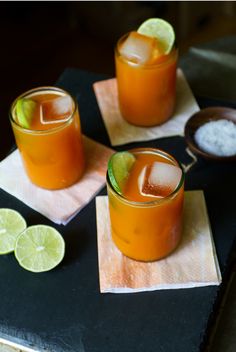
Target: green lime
{"points": [[25, 111], [119, 167], [39, 248], [161, 30], [11, 225]]}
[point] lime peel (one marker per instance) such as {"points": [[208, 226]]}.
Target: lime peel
{"points": [[119, 167], [161, 30], [25, 111]]}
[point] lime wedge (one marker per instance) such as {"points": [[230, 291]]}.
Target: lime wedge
{"points": [[161, 30], [25, 111], [11, 225], [119, 167], [39, 248]]}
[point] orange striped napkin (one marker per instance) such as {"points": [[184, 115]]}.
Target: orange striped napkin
{"points": [[194, 263], [62, 205], [121, 132]]}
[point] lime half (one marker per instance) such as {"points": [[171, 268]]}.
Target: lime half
{"points": [[25, 111], [161, 30], [39, 248], [11, 225], [119, 167]]}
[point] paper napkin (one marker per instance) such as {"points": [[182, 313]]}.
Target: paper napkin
{"points": [[60, 206], [194, 263], [121, 132]]}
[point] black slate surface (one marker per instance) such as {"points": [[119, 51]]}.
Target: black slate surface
{"points": [[63, 311]]}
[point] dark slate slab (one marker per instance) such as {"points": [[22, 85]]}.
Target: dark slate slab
{"points": [[211, 70], [63, 311]]}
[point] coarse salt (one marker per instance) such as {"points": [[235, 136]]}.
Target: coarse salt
{"points": [[217, 137]]}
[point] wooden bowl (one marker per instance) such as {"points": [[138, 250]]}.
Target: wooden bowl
{"points": [[200, 118]]}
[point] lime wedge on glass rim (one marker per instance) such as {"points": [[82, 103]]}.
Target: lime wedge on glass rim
{"points": [[25, 111], [119, 167], [161, 30], [11, 225], [39, 248]]}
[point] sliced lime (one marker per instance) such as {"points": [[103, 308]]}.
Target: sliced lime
{"points": [[119, 167], [25, 111], [11, 225], [161, 30], [39, 248]]}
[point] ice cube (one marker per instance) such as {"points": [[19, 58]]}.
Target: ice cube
{"points": [[159, 179], [56, 110], [138, 48]]}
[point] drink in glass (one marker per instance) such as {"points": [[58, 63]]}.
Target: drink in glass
{"points": [[146, 78], [47, 131], [145, 203]]}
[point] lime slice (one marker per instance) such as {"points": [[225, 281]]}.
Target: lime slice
{"points": [[11, 225], [25, 111], [119, 167], [39, 248], [161, 30]]}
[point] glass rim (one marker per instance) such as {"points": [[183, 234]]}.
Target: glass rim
{"points": [[42, 89], [174, 51], [158, 201]]}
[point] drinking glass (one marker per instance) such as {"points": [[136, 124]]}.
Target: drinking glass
{"points": [[146, 91], [51, 149], [147, 230]]}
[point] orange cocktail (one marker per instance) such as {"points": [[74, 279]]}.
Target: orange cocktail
{"points": [[146, 80], [146, 215], [46, 126]]}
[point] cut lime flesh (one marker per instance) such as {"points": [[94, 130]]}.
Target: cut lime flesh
{"points": [[39, 248], [119, 167], [25, 112], [11, 225], [161, 30]]}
